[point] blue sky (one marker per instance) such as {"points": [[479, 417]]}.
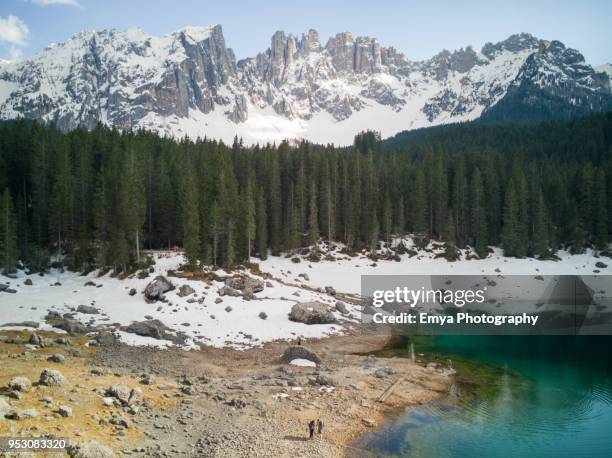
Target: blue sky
{"points": [[418, 29]]}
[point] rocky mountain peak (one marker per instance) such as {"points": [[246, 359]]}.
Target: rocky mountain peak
{"points": [[189, 83]]}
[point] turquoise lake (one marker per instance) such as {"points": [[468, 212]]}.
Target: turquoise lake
{"points": [[514, 396]]}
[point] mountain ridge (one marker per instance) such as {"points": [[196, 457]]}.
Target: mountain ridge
{"points": [[189, 82]]}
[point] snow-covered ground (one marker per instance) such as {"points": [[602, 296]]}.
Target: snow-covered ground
{"points": [[209, 323], [345, 273]]}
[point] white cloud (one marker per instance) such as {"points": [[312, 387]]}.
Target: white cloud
{"points": [[56, 2], [13, 30]]}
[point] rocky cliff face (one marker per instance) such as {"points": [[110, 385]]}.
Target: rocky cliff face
{"points": [[189, 83]]}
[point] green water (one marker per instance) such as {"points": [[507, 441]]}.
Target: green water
{"points": [[514, 396]]}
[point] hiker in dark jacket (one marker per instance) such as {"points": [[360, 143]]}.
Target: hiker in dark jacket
{"points": [[311, 428], [319, 427]]}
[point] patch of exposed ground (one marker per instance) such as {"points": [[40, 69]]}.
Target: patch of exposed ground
{"points": [[213, 402]]}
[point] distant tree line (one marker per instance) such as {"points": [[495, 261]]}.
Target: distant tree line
{"points": [[97, 198]]}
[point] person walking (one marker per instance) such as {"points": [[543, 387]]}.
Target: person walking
{"points": [[319, 427], [311, 428]]}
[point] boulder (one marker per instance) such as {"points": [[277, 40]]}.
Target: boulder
{"points": [[35, 339], [28, 282], [65, 411], [322, 380], [311, 313], [299, 352], [243, 282], [136, 397], [89, 449], [263, 315], [185, 290], [228, 291], [56, 358], [87, 309], [341, 307], [330, 290], [149, 328], [22, 414], [132, 292], [50, 377], [119, 391], [156, 288], [20, 384]]}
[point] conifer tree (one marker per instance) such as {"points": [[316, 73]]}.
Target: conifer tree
{"points": [[8, 233], [249, 223], [540, 233], [387, 218], [418, 204], [262, 226], [478, 221], [190, 219], [313, 219], [599, 211], [510, 237]]}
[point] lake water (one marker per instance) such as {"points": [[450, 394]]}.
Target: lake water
{"points": [[515, 396]]}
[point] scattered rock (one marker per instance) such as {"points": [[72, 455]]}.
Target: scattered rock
{"points": [[341, 307], [228, 309], [90, 283], [146, 379], [50, 377], [56, 358], [22, 414], [304, 276], [299, 352], [35, 339], [228, 291], [156, 288], [90, 449], [185, 290], [20, 384], [149, 328], [76, 353], [368, 422], [311, 313], [65, 411], [119, 391], [136, 397], [263, 315], [601, 265], [28, 282], [132, 292], [218, 300], [323, 380], [238, 403], [243, 282], [330, 290], [88, 310], [383, 372]]}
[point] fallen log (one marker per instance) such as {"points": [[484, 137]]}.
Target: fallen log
{"points": [[389, 391]]}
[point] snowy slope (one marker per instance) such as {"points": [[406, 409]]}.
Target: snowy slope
{"points": [[209, 323]]}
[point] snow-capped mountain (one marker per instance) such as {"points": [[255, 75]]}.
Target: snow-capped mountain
{"points": [[189, 83], [605, 68]]}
